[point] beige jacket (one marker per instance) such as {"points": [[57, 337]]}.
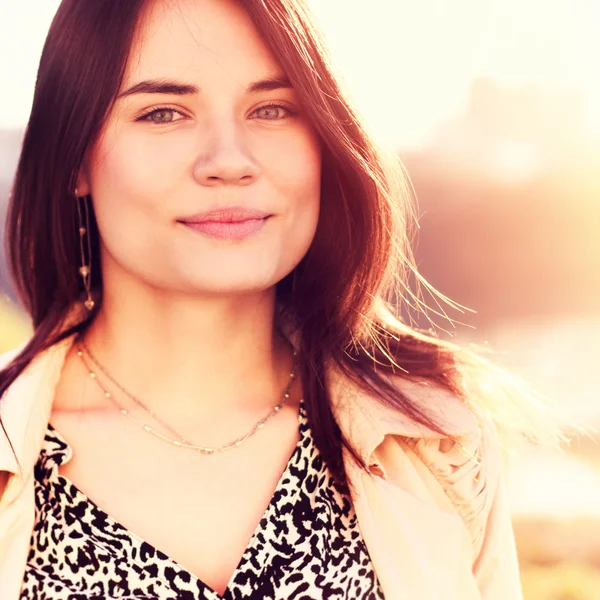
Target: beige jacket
{"points": [[433, 514]]}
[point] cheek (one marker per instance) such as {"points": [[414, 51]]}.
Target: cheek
{"points": [[129, 181], [127, 167], [296, 172]]}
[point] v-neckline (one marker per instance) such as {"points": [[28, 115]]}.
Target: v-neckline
{"points": [[270, 514]]}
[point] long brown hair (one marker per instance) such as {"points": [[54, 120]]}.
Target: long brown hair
{"points": [[340, 298]]}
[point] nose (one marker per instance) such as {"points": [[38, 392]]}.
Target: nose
{"points": [[225, 159]]}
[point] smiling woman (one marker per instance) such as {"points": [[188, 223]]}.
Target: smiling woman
{"points": [[218, 399], [209, 140]]}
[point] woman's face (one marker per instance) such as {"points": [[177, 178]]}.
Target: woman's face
{"points": [[205, 121]]}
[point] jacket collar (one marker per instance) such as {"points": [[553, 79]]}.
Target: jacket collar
{"points": [[366, 421], [26, 408]]}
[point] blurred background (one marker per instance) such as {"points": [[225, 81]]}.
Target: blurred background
{"points": [[494, 107]]}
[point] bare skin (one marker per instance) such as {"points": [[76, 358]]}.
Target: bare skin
{"points": [[187, 321], [199, 510]]}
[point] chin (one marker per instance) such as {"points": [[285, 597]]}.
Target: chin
{"points": [[234, 283]]}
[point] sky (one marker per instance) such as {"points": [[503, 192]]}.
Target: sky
{"points": [[408, 65]]}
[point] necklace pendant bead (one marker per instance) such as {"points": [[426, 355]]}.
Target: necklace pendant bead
{"points": [[176, 443], [148, 428], [123, 411]]}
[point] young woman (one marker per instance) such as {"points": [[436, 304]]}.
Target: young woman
{"points": [[217, 400]]}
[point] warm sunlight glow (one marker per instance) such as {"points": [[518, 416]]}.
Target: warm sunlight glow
{"points": [[408, 64], [593, 110], [554, 484]]}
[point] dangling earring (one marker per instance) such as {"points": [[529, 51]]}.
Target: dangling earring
{"points": [[85, 270]]}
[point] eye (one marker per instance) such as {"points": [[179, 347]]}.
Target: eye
{"points": [[161, 115], [273, 112]]}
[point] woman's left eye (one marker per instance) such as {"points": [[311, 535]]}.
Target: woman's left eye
{"points": [[161, 115], [273, 112]]}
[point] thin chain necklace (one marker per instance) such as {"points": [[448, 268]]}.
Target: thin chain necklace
{"points": [[181, 442]]}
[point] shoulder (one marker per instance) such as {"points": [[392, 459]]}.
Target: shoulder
{"points": [[7, 464], [458, 470], [454, 415], [6, 358], [7, 409]]}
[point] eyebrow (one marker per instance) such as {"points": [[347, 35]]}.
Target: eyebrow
{"points": [[162, 86], [269, 84], [156, 86]]}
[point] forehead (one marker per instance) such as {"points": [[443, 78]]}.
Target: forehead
{"points": [[200, 41]]}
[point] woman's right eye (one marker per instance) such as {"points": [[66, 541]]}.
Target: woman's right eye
{"points": [[161, 115]]}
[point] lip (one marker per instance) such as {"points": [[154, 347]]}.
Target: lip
{"points": [[231, 223], [229, 214]]}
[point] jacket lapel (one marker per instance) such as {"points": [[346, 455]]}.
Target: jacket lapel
{"points": [[415, 538], [416, 547], [366, 421]]}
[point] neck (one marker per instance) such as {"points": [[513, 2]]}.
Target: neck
{"points": [[194, 360]]}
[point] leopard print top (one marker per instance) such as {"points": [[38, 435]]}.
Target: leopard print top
{"points": [[306, 546]]}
